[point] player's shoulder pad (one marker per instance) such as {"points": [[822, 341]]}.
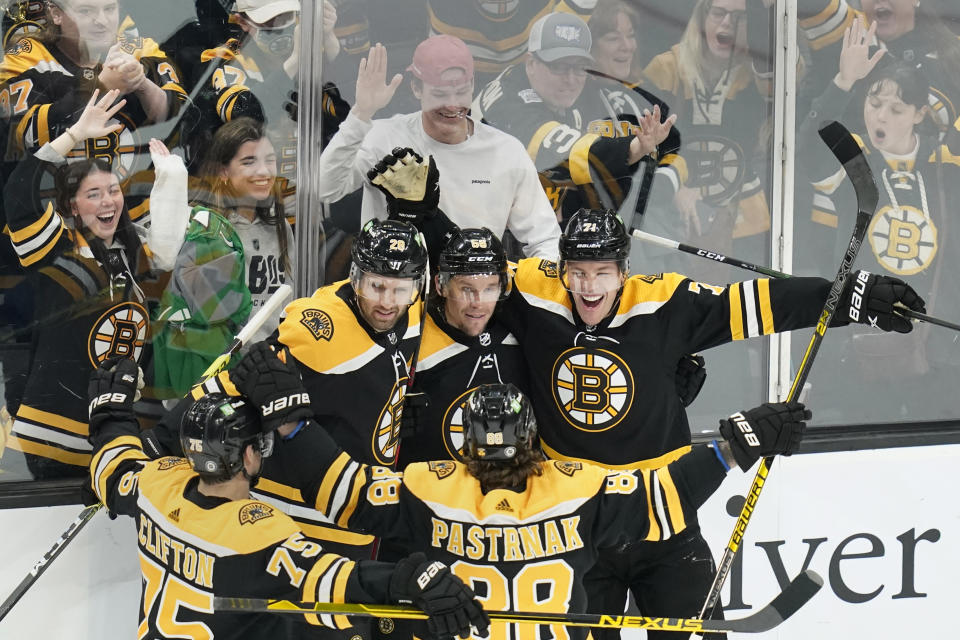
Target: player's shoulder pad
{"points": [[250, 525], [322, 331], [540, 279], [442, 468], [648, 290], [571, 479], [434, 341], [170, 462]]}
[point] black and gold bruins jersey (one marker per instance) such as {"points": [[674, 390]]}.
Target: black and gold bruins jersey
{"points": [[496, 31], [824, 21], [357, 380], [525, 550], [606, 394], [84, 313], [720, 128], [194, 547], [43, 93], [356, 377], [450, 366], [582, 153]]}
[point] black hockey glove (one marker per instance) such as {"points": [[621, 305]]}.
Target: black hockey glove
{"points": [[773, 428], [410, 419], [690, 376], [112, 390], [873, 299], [410, 184], [451, 604], [273, 386]]}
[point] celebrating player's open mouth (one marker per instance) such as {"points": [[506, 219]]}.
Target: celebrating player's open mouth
{"points": [[593, 285]]}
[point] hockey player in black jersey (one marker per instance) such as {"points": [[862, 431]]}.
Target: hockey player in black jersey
{"points": [[201, 535], [522, 530], [464, 345], [352, 342], [602, 347]]}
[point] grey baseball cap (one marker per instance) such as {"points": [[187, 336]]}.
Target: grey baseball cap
{"points": [[560, 35]]}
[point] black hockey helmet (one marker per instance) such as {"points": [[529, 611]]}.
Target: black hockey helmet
{"points": [[390, 248], [214, 432], [595, 235], [498, 421], [473, 252]]}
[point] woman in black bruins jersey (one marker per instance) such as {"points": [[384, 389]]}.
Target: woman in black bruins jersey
{"points": [[86, 276]]}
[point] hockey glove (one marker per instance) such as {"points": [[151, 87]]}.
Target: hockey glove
{"points": [[273, 386], [410, 418], [690, 376], [410, 185], [112, 390], [451, 604], [873, 299], [770, 429]]}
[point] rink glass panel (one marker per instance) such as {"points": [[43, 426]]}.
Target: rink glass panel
{"points": [[725, 137]]}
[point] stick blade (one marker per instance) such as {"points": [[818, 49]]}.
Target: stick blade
{"points": [[788, 602], [841, 142], [845, 148]]}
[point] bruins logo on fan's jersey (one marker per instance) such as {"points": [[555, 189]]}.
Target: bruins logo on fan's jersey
{"points": [[255, 511], [593, 388], [443, 468], [121, 331], [20, 47], [318, 323], [387, 431], [718, 169], [454, 437], [903, 240]]}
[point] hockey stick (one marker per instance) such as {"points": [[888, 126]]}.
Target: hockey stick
{"points": [[796, 594], [269, 308], [41, 565], [848, 152], [773, 273], [411, 372]]}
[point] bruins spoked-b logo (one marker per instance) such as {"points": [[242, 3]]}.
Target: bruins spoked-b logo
{"points": [[121, 331], [387, 432], [903, 240], [453, 433], [593, 388]]}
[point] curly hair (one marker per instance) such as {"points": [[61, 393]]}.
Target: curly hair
{"points": [[506, 474]]}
